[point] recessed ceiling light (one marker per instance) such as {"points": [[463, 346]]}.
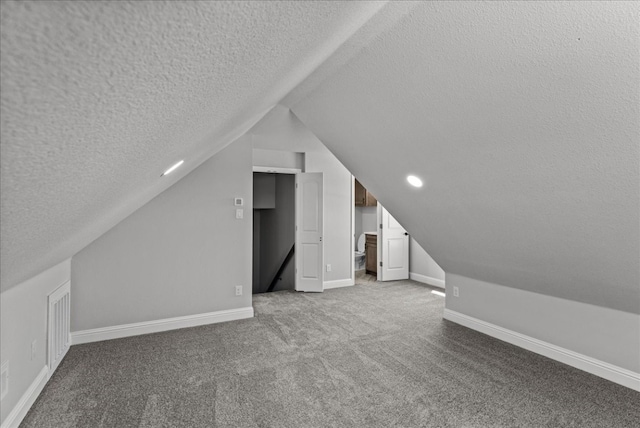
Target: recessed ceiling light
{"points": [[170, 170], [414, 181]]}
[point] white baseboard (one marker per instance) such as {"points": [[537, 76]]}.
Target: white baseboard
{"points": [[427, 280], [26, 401], [591, 365], [338, 283], [136, 329]]}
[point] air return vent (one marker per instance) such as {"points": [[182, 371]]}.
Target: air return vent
{"points": [[59, 325]]}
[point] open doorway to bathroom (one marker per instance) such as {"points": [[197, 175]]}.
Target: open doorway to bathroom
{"points": [[365, 233], [384, 250], [273, 232]]}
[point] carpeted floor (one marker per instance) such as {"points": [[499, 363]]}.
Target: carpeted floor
{"points": [[375, 355]]}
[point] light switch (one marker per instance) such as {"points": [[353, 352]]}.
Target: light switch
{"points": [[239, 213]]}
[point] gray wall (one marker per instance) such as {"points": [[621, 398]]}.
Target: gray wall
{"points": [[421, 263], [605, 334], [180, 254], [278, 159], [277, 235], [530, 172], [338, 203], [365, 221], [23, 319], [281, 131]]}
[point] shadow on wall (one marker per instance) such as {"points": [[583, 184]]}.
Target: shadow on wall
{"points": [[273, 231]]}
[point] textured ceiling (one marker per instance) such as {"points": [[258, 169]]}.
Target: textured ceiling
{"points": [[98, 98], [522, 119]]}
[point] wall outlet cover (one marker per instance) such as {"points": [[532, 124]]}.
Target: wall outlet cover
{"points": [[238, 202], [238, 290]]}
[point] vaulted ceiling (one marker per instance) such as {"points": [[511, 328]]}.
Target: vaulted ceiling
{"points": [[521, 118], [99, 98]]}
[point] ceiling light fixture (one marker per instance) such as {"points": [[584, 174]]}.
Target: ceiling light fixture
{"points": [[414, 181], [170, 170]]}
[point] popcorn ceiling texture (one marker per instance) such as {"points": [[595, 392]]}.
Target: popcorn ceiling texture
{"points": [[521, 118], [99, 98]]}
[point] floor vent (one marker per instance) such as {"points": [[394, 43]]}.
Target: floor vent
{"points": [[59, 325]]}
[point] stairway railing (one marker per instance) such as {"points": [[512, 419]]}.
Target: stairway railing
{"points": [[284, 264]]}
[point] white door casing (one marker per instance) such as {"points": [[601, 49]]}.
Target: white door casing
{"points": [[393, 242], [309, 249]]}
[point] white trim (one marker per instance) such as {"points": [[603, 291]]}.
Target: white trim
{"points": [[352, 241], [276, 170], [26, 401], [427, 279], [590, 365], [146, 327], [338, 283]]}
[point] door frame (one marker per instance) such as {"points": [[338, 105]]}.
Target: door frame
{"points": [[271, 170], [381, 243]]}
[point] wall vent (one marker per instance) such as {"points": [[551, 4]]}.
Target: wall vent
{"points": [[59, 339]]}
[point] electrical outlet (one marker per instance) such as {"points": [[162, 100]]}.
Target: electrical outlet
{"points": [[328, 268], [33, 350], [456, 292], [4, 379], [238, 290]]}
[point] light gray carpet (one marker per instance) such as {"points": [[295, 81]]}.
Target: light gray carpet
{"points": [[375, 355]]}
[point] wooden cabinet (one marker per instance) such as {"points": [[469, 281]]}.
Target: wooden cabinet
{"points": [[371, 251], [363, 198]]}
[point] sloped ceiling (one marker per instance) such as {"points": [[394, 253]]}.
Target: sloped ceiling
{"points": [[521, 118], [99, 98]]}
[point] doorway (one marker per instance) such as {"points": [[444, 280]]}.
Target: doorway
{"points": [[273, 232], [288, 248], [381, 251], [365, 235]]}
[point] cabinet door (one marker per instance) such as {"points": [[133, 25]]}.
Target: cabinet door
{"points": [[360, 195], [371, 254]]}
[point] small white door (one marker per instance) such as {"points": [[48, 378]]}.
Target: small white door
{"points": [[309, 228], [393, 242]]}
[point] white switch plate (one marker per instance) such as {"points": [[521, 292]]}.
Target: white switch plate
{"points": [[238, 290], [328, 268], [456, 292], [33, 350], [239, 213]]}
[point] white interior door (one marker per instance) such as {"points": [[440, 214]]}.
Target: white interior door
{"points": [[309, 229], [393, 242]]}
